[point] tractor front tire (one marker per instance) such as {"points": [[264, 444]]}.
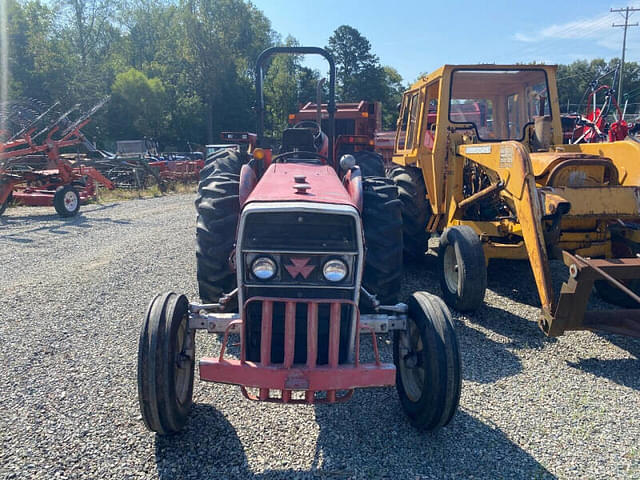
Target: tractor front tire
{"points": [[463, 270], [615, 296], [371, 163], [428, 366], [218, 207], [382, 221], [166, 360], [66, 201], [416, 211]]}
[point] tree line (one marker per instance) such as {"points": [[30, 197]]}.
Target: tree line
{"points": [[181, 71]]}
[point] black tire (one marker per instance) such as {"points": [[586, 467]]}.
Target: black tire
{"points": [[428, 366], [615, 296], [371, 163], [463, 270], [382, 221], [166, 360], [416, 211], [223, 161], [5, 204], [66, 201], [218, 207]]}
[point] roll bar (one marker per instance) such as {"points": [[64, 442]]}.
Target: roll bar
{"points": [[331, 107]]}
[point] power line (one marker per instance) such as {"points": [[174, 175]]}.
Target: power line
{"points": [[627, 11]]}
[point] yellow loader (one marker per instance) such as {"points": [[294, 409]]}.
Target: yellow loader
{"points": [[479, 159]]}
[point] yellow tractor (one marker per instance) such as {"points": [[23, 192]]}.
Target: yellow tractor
{"points": [[479, 159]]}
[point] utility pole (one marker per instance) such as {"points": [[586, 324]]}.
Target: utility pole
{"points": [[627, 11]]}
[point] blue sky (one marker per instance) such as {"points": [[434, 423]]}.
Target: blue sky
{"points": [[416, 36]]}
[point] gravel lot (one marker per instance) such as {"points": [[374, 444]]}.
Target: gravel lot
{"points": [[72, 297]]}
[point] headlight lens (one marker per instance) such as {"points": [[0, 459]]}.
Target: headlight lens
{"points": [[335, 270], [263, 268]]}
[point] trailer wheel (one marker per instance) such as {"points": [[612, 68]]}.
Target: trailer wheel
{"points": [[382, 221], [463, 270], [416, 210], [166, 353], [371, 163], [218, 207], [427, 358], [66, 201]]}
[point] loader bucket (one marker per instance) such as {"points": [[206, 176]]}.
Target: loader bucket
{"points": [[571, 307]]}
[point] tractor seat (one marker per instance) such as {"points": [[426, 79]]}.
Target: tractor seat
{"points": [[298, 139]]}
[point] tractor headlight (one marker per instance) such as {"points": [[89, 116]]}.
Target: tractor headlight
{"points": [[263, 268], [335, 270]]}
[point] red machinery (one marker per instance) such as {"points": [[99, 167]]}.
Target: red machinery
{"points": [[280, 247], [34, 173]]}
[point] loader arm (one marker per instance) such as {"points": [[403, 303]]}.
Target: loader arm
{"points": [[510, 160]]}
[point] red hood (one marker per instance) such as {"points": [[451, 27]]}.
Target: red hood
{"points": [[277, 185]]}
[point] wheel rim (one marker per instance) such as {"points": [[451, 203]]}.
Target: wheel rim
{"points": [[70, 201], [183, 364], [411, 364], [451, 270]]}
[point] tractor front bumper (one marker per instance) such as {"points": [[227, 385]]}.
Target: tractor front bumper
{"points": [[289, 382]]}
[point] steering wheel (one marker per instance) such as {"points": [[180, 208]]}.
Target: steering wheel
{"points": [[317, 156]]}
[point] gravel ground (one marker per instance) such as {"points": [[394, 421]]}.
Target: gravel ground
{"points": [[72, 296]]}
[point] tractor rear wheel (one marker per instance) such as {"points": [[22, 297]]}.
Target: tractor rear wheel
{"points": [[218, 207], [463, 270], [427, 358], [416, 210], [371, 163], [66, 201], [223, 161], [382, 221], [166, 359]]}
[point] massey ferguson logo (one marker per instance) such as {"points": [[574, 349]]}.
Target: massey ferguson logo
{"points": [[299, 267]]}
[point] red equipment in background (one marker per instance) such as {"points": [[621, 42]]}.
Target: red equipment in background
{"points": [[34, 173]]}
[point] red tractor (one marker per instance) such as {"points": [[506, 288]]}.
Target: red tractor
{"points": [[299, 255]]}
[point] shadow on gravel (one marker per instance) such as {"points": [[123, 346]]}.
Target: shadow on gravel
{"points": [[352, 445], [623, 371], [62, 226]]}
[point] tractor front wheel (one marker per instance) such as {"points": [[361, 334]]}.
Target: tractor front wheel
{"points": [[66, 201], [166, 353], [427, 358], [463, 270]]}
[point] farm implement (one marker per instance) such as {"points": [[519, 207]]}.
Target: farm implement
{"points": [[32, 171], [282, 263]]}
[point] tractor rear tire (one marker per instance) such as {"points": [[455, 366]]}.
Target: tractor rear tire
{"points": [[218, 207], [463, 270], [223, 161], [416, 211], [166, 360], [371, 163], [382, 221], [66, 201], [428, 366]]}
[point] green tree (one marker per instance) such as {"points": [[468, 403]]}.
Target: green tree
{"points": [[138, 106]]}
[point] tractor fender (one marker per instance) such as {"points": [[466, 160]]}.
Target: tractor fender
{"points": [[353, 184], [248, 181]]}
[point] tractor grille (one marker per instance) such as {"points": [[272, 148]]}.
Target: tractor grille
{"points": [[300, 231]]}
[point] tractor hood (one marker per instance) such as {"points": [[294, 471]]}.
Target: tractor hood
{"points": [[300, 182]]}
